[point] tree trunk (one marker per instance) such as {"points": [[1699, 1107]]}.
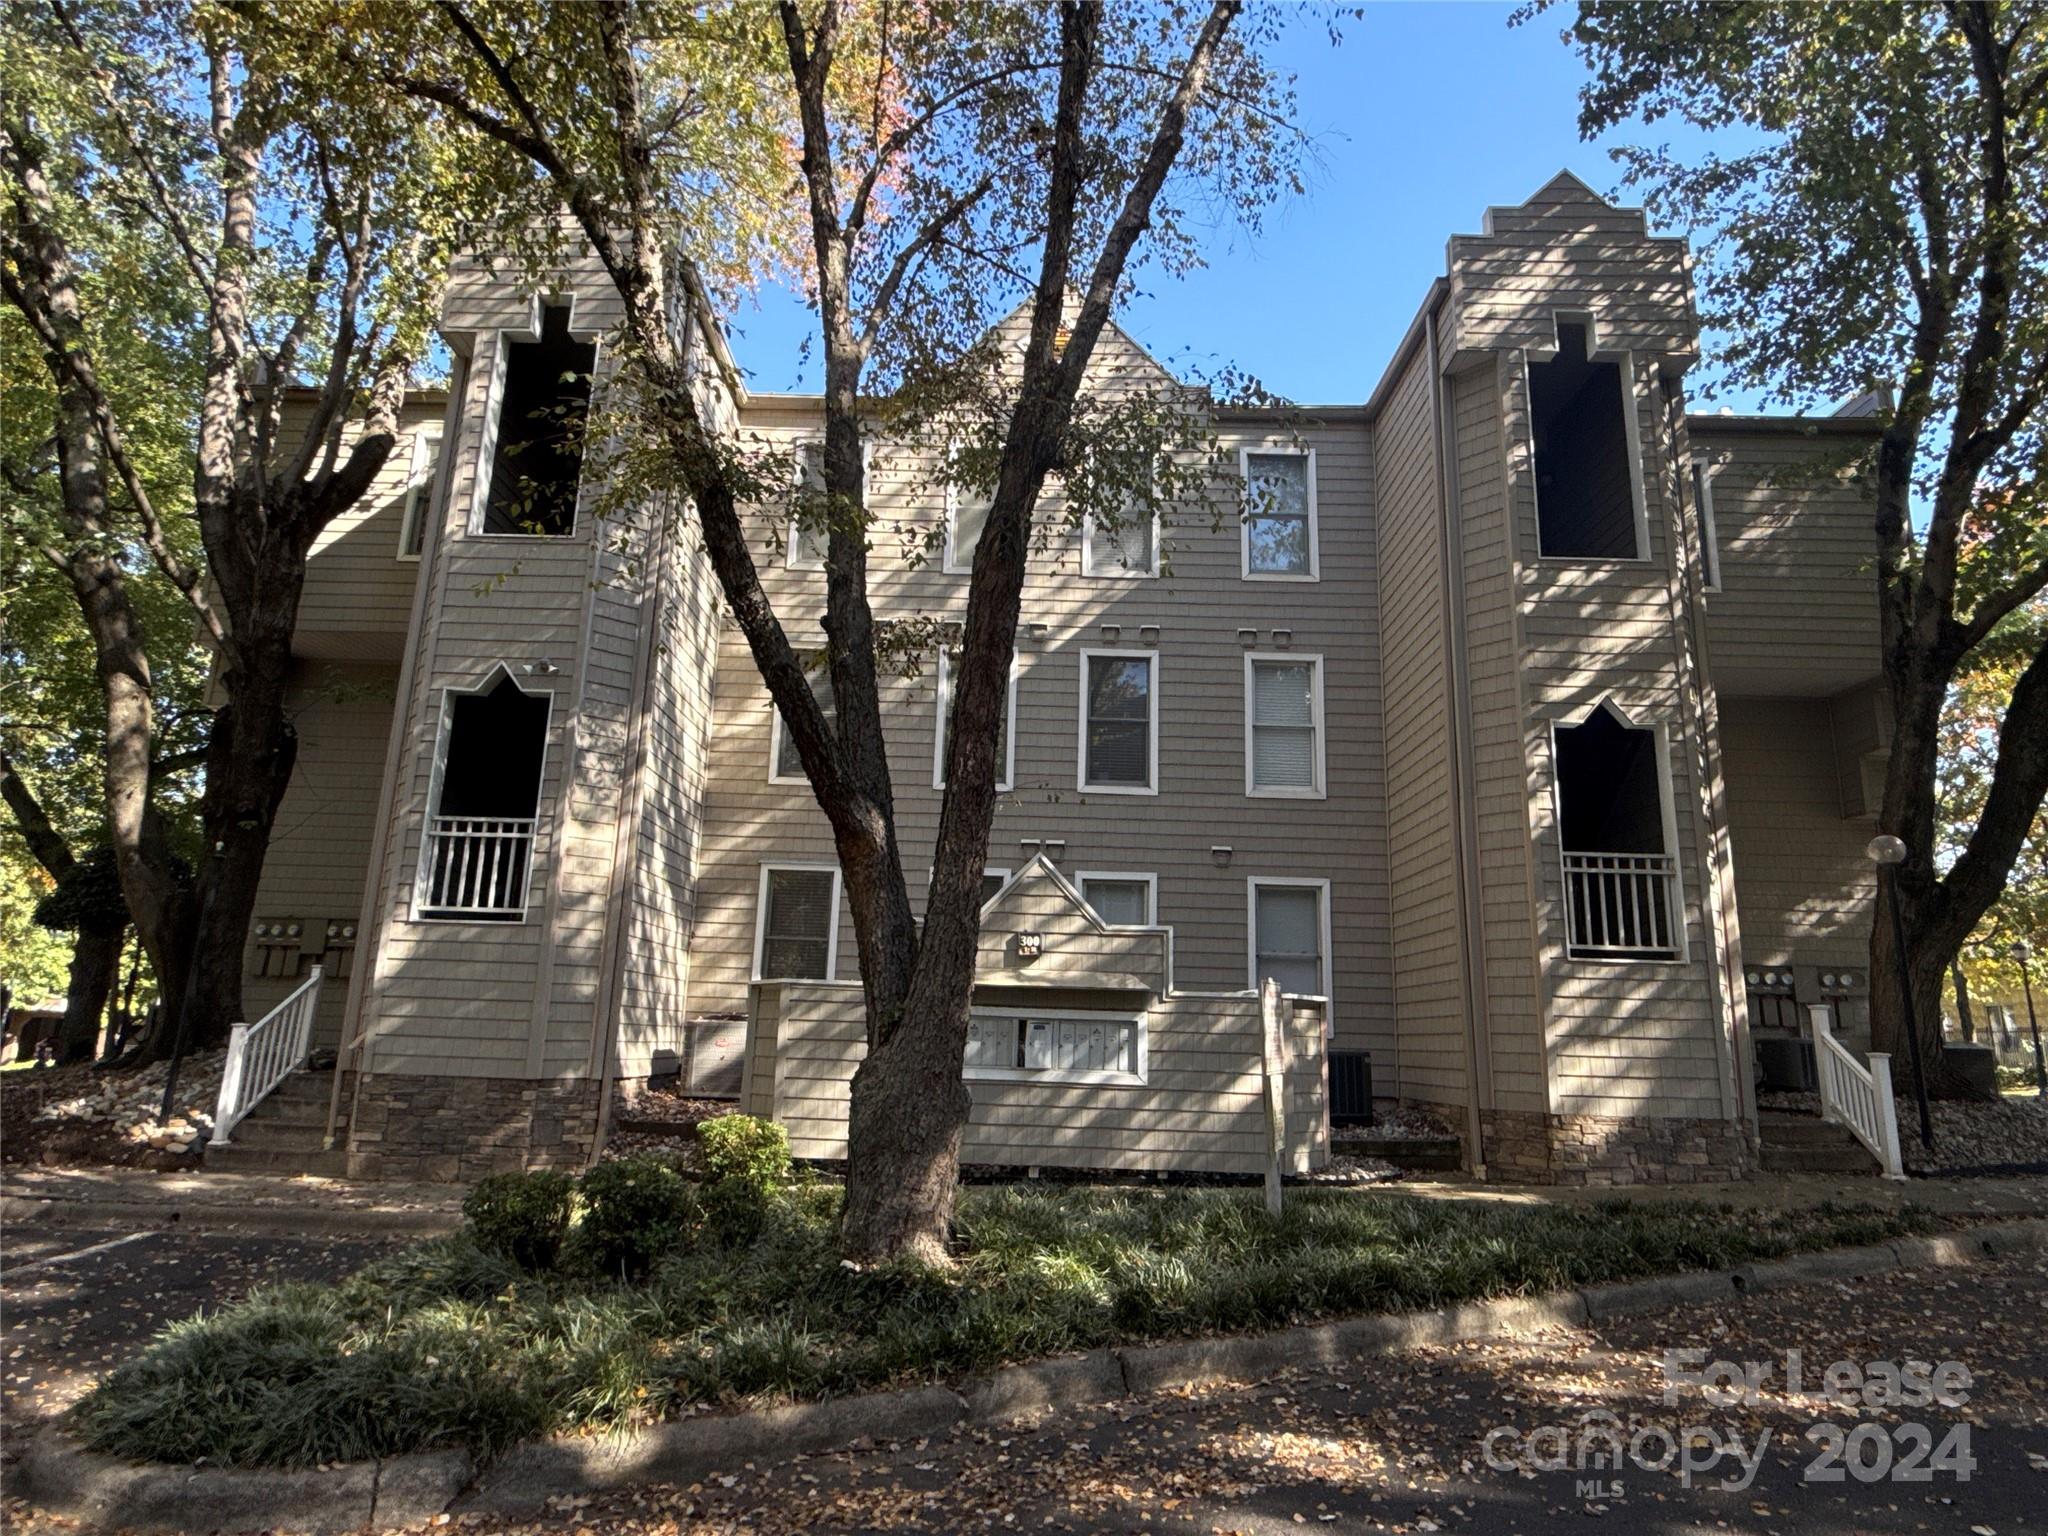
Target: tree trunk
{"points": [[248, 768], [95, 964], [909, 1107], [1926, 966], [1965, 1022]]}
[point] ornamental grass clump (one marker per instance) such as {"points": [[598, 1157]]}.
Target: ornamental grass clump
{"points": [[659, 1302]]}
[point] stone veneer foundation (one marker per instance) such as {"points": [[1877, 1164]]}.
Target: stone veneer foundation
{"points": [[456, 1129], [1525, 1148]]}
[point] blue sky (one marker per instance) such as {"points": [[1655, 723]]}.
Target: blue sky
{"points": [[1426, 114]]}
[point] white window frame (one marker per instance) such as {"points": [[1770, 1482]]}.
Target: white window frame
{"points": [[948, 563], [1704, 467], [421, 482], [1245, 454], [1088, 569], [1632, 431], [761, 921], [1660, 733], [1145, 878], [1252, 885], [1151, 787], [1006, 780], [999, 873], [443, 730], [789, 544], [777, 726], [1136, 1021], [1317, 790], [494, 403]]}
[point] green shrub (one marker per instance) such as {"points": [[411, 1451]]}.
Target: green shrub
{"points": [[744, 1149], [635, 1209], [524, 1216]]}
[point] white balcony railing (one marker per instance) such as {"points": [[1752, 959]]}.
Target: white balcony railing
{"points": [[1620, 906], [476, 866], [264, 1054], [1854, 1096]]}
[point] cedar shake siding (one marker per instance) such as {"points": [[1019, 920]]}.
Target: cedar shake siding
{"points": [[1539, 586]]}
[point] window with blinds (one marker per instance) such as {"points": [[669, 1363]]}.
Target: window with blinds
{"points": [[1280, 516], [799, 913], [1072, 1047], [1119, 721], [1287, 937], [1122, 901], [1283, 725], [788, 765]]}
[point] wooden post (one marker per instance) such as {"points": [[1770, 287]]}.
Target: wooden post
{"points": [[230, 1083], [1887, 1113], [1273, 1051]]}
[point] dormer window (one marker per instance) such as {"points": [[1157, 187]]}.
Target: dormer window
{"points": [[543, 404], [1586, 496]]}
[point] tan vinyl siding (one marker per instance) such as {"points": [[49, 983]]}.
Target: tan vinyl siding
{"points": [[517, 999], [1804, 886], [1797, 611], [1199, 606], [1502, 779], [358, 595], [1565, 249], [319, 851], [1200, 1107], [654, 990], [1429, 968]]}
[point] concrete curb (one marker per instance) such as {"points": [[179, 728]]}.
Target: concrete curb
{"points": [[59, 1476], [195, 1216]]}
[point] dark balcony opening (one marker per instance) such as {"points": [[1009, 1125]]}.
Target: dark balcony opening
{"points": [[479, 841], [1585, 504], [541, 416], [1619, 876], [1608, 796]]}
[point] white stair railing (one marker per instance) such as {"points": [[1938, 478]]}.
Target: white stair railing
{"points": [[264, 1054], [1856, 1097]]}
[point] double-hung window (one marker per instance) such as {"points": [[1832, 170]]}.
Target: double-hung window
{"points": [[785, 764], [967, 510], [1006, 738], [1120, 722], [1283, 725], [1279, 514], [419, 493], [808, 535], [1122, 899], [1131, 548], [796, 924], [1290, 935]]}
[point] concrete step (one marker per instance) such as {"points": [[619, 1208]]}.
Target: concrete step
{"points": [[303, 1088], [1850, 1159], [258, 1132], [244, 1159], [275, 1111], [1801, 1131]]}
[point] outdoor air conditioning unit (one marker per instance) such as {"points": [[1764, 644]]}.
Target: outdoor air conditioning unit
{"points": [[1351, 1088], [1786, 1066]]}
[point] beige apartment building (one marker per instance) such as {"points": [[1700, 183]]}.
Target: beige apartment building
{"points": [[1527, 732]]}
